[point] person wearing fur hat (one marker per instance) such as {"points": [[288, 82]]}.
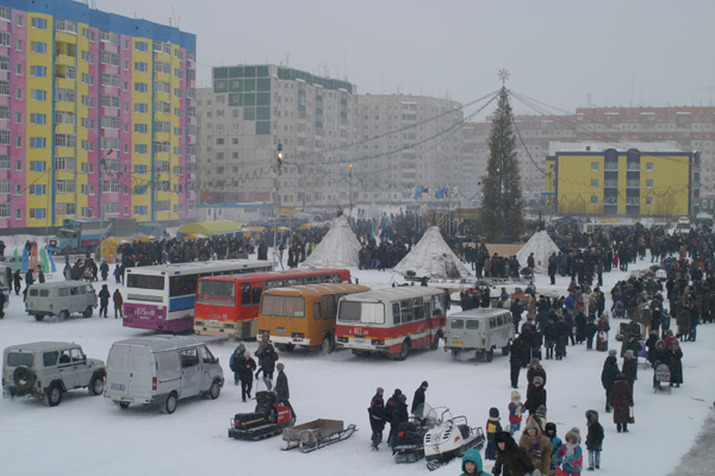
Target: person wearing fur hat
{"points": [[676, 363], [396, 409], [536, 397], [511, 459], [536, 445], [282, 391], [556, 444], [594, 440], [570, 456], [608, 375], [516, 410], [630, 367], [621, 400], [493, 427], [472, 463]]}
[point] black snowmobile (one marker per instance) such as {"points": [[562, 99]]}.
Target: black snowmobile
{"points": [[269, 419]]}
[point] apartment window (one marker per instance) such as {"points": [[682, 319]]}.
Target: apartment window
{"points": [[141, 46], [5, 63], [37, 189], [649, 183], [38, 142], [18, 45], [38, 47], [37, 118], [649, 200], [140, 87], [38, 95], [140, 148], [4, 88], [4, 112], [594, 199], [140, 128], [649, 166], [140, 66], [140, 107], [39, 23], [5, 137]]}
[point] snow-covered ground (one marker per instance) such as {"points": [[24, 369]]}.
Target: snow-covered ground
{"points": [[90, 435]]}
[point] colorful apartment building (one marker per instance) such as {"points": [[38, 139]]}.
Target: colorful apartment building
{"points": [[96, 110], [633, 182]]}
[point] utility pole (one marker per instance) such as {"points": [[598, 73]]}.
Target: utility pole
{"points": [[351, 189], [279, 163]]}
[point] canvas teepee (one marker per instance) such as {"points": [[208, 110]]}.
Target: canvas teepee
{"points": [[339, 248], [543, 247], [433, 258]]}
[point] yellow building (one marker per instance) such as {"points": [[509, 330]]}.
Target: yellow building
{"points": [[633, 183]]}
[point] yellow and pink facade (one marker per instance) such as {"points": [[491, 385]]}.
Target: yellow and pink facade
{"points": [[97, 116]]}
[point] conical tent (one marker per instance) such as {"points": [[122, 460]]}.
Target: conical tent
{"points": [[543, 247], [339, 248], [432, 257]]}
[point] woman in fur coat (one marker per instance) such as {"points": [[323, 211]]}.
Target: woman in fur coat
{"points": [[621, 400], [536, 445]]}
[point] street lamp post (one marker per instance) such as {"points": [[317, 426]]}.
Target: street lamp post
{"points": [[279, 163], [351, 190]]}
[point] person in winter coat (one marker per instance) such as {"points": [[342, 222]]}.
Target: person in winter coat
{"points": [[608, 375], [516, 410], [235, 360], [676, 363], [29, 281], [17, 281], [536, 445], [621, 400], [246, 367], [377, 417], [591, 329], [536, 397], [267, 358], [535, 369], [511, 459], [518, 357], [556, 444], [570, 456], [398, 415], [418, 401], [472, 463], [103, 301], [630, 367], [594, 440], [118, 303], [493, 427], [660, 355], [282, 390]]}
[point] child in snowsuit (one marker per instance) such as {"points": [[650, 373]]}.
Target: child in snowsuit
{"points": [[570, 456], [516, 410], [594, 440], [556, 444], [472, 463], [493, 426]]}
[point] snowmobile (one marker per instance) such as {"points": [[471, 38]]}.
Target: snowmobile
{"points": [[450, 438], [409, 446], [269, 419]]}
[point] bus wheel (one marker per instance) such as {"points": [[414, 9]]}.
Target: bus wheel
{"points": [[404, 351], [435, 343], [328, 344]]}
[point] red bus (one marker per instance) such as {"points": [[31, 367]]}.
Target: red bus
{"points": [[229, 305], [391, 321]]}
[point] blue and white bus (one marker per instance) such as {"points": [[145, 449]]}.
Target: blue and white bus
{"points": [[162, 297]]}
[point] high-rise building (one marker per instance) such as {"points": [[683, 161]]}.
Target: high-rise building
{"points": [[96, 109], [251, 111]]}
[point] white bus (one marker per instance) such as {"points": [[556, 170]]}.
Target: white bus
{"points": [[391, 321], [162, 297]]}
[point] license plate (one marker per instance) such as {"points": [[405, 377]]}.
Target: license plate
{"points": [[457, 342], [360, 340], [117, 386]]}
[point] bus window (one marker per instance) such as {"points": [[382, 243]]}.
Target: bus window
{"points": [[396, 312], [492, 322], [439, 305], [500, 320], [316, 311], [245, 294], [417, 309], [406, 311], [457, 324], [273, 283], [293, 306], [256, 295], [216, 292]]}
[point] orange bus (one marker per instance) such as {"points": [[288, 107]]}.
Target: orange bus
{"points": [[303, 315], [391, 321], [228, 305]]}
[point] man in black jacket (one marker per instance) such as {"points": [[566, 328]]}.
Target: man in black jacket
{"points": [[418, 402], [377, 417]]}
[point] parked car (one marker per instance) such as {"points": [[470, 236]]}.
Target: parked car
{"points": [[480, 330], [160, 370], [60, 298], [48, 369]]}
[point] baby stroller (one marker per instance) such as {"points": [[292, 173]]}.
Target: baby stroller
{"points": [[619, 310], [661, 378]]}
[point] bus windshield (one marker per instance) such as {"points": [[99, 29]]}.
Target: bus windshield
{"points": [[216, 292], [289, 306], [139, 281], [362, 312]]}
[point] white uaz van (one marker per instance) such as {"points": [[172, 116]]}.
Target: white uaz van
{"points": [[160, 370], [60, 298], [480, 330]]}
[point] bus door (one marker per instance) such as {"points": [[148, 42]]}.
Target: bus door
{"points": [[250, 305]]}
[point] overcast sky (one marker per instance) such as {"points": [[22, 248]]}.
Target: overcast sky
{"points": [[565, 54]]}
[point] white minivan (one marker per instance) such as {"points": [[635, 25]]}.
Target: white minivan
{"points": [[160, 370], [60, 298], [481, 330]]}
